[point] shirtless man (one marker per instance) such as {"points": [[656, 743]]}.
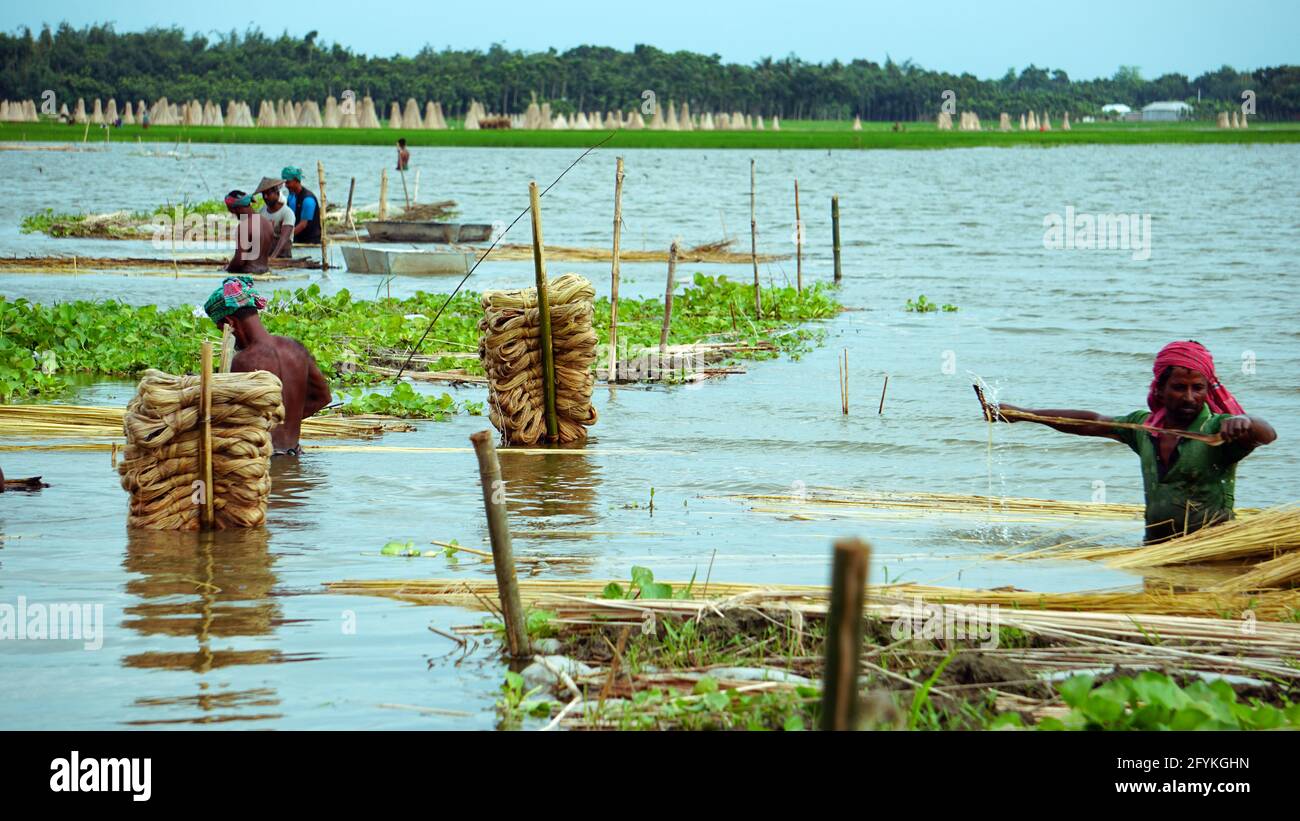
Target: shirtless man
{"points": [[254, 239], [303, 388], [403, 155]]}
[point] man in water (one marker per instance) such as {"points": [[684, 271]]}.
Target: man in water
{"points": [[403, 156], [254, 236], [280, 215], [1189, 484], [305, 206], [303, 388]]}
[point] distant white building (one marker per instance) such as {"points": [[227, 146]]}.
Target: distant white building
{"points": [[1115, 108], [1165, 111]]}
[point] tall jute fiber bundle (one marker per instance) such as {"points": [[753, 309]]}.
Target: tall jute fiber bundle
{"points": [[511, 351], [164, 427]]}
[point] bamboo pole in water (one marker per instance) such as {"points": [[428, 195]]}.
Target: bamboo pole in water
{"points": [[205, 452], [383, 194], [503, 563], [227, 348], [883, 388], [613, 271], [844, 635], [668, 300], [347, 212], [324, 231], [753, 244], [543, 315], [415, 190], [835, 235], [798, 241]]}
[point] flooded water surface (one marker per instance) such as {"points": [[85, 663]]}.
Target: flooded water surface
{"points": [[234, 629]]}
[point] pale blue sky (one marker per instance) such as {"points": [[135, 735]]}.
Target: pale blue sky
{"points": [[1087, 38]]}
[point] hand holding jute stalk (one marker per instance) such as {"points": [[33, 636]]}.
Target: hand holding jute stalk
{"points": [[1094, 424], [503, 563], [844, 635]]}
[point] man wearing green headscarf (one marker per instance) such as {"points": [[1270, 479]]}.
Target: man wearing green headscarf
{"points": [[305, 205], [303, 389]]}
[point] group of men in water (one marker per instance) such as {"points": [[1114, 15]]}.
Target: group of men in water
{"points": [[269, 232]]}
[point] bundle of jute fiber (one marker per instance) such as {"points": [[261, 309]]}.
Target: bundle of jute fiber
{"points": [[164, 428], [510, 349]]}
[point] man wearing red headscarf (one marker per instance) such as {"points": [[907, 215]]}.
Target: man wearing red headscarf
{"points": [[1189, 484]]}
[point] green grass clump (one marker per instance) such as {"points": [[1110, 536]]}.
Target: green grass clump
{"points": [[41, 343]]}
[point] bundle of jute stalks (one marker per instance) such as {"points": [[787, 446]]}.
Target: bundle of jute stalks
{"points": [[511, 351], [161, 468]]}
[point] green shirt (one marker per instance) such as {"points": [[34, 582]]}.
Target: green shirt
{"points": [[1197, 488]]}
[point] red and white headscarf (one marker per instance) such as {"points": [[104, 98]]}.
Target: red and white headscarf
{"points": [[1193, 356]]}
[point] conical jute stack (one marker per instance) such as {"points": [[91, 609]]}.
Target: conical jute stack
{"points": [[367, 117], [1033, 121], [395, 115], [1065, 121], [310, 116], [163, 432], [128, 116], [510, 349], [1004, 121]]}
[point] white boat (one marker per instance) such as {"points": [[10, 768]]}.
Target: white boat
{"points": [[362, 260]]}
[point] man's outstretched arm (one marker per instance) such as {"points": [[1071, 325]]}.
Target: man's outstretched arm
{"points": [[1104, 431]]}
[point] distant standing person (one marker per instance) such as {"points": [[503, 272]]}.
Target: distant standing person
{"points": [[254, 236], [304, 204], [403, 156], [281, 216]]}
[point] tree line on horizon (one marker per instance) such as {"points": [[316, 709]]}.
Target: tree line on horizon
{"points": [[97, 61]]}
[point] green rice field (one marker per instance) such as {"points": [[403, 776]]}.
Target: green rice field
{"points": [[793, 134]]}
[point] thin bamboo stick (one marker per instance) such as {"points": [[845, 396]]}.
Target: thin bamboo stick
{"points": [[613, 271], [227, 348], [668, 299], [883, 388], [347, 212], [206, 518], [835, 235], [798, 240], [753, 243], [324, 234], [383, 194], [543, 315], [990, 410]]}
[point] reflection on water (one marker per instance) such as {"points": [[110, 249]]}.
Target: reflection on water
{"points": [[551, 491], [207, 589], [293, 481]]}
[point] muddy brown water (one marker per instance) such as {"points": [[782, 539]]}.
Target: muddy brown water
{"points": [[235, 631]]}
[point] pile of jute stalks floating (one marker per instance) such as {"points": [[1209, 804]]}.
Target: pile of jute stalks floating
{"points": [[198, 449], [538, 348]]}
